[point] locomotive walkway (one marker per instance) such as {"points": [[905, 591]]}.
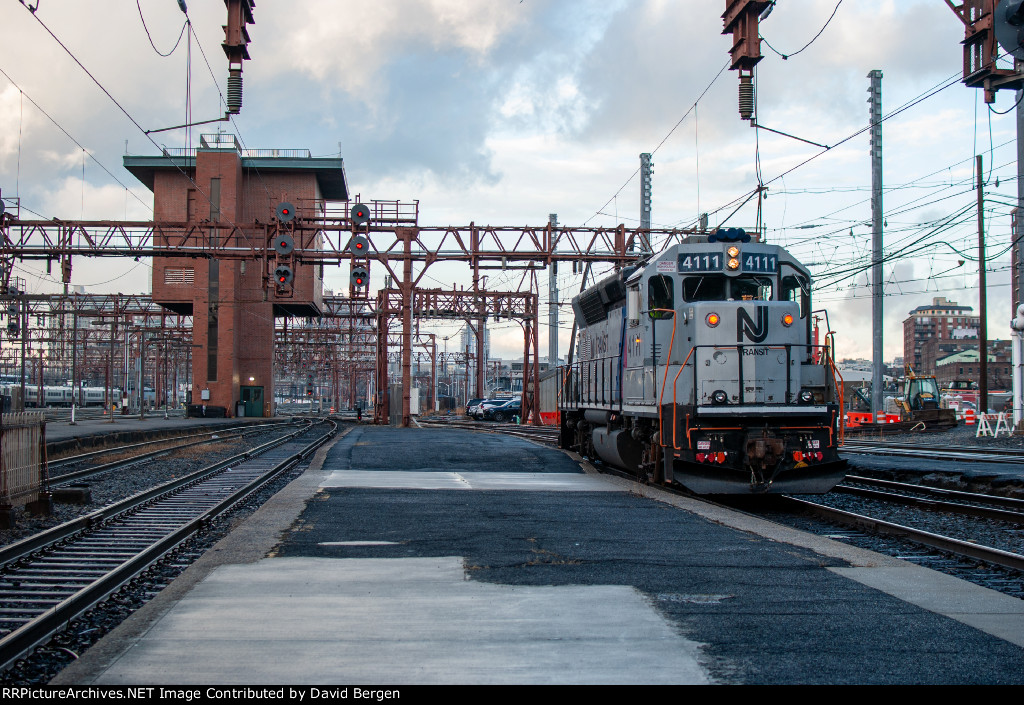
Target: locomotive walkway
{"points": [[409, 556]]}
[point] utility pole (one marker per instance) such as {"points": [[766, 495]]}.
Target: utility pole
{"points": [[877, 241], [1017, 356], [1017, 263], [982, 302], [553, 302]]}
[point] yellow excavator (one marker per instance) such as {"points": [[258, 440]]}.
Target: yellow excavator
{"points": [[920, 402]]}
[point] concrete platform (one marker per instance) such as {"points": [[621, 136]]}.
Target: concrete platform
{"points": [[446, 556]]}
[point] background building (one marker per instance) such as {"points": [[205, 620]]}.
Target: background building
{"points": [[942, 320]]}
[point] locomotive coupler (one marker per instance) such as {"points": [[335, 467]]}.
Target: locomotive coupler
{"points": [[763, 452]]}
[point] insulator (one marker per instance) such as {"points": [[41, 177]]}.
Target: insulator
{"points": [[746, 97], [234, 92]]}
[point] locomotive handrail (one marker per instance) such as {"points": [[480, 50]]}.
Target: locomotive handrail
{"points": [[671, 342], [840, 393], [590, 373], [675, 406]]}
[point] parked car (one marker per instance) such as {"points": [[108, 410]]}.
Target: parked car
{"points": [[503, 412], [478, 410], [472, 405]]}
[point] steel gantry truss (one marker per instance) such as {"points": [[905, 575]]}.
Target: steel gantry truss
{"points": [[395, 240], [479, 305]]}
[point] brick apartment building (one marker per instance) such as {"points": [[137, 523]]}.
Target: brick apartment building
{"points": [[942, 321]]}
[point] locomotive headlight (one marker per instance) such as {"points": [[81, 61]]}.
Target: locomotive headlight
{"points": [[712, 320], [733, 263], [787, 320], [806, 396], [719, 397], [733, 251]]}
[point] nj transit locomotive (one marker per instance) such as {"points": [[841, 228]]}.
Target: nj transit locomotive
{"points": [[696, 367]]}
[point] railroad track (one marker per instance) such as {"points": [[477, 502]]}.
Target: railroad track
{"points": [[59, 477], [935, 452], [926, 520], [51, 578]]}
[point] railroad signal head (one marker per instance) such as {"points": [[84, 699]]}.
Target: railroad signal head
{"points": [[729, 235], [360, 277], [283, 244], [285, 212], [359, 245], [13, 319], [283, 275], [1008, 23], [360, 215]]}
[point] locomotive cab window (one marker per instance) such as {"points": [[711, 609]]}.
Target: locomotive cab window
{"points": [[711, 287], [751, 289], [795, 287], [633, 305], [721, 288], [660, 295]]}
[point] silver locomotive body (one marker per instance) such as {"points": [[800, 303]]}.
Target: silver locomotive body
{"points": [[697, 368]]}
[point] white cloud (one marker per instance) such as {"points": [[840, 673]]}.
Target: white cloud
{"points": [[350, 46]]}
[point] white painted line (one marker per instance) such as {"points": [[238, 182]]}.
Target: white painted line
{"points": [[358, 543], [440, 480]]}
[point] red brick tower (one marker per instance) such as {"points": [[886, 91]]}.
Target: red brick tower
{"points": [[232, 306]]}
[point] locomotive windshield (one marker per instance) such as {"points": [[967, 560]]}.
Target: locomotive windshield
{"points": [[795, 287], [718, 287]]}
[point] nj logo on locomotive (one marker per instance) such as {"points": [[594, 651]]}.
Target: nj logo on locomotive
{"points": [[746, 327]]}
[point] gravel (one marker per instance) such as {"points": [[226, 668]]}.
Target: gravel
{"points": [[121, 483]]}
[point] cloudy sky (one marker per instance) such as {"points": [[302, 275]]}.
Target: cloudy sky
{"points": [[503, 111]]}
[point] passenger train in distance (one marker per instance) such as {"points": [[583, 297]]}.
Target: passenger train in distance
{"points": [[697, 367], [62, 395]]}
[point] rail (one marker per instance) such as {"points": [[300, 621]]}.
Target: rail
{"points": [[180, 519]]}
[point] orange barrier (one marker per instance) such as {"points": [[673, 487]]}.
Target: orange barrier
{"points": [[969, 417], [550, 418], [857, 418]]}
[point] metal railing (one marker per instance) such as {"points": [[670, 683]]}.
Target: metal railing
{"points": [[22, 458]]}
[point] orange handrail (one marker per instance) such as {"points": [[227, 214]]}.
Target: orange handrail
{"points": [[837, 378], [675, 405], [671, 343]]}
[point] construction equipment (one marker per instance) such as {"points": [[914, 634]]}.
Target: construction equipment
{"points": [[920, 402]]}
